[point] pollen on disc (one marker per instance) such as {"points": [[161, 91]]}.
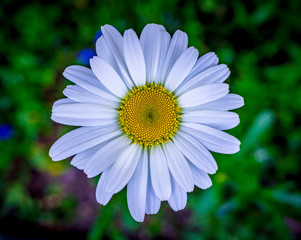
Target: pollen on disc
{"points": [[149, 115]]}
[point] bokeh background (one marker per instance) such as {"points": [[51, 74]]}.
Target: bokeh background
{"points": [[255, 193]]}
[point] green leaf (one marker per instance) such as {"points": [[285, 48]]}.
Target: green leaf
{"points": [[261, 125]]}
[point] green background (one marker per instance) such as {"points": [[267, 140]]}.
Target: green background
{"points": [[255, 193]]}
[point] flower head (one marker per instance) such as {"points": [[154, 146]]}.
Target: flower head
{"points": [[149, 112]]}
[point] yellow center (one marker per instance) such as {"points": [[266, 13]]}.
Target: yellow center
{"points": [[149, 115]]}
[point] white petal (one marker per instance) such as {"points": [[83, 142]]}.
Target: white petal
{"points": [[165, 40], [80, 159], [217, 119], [78, 135], [195, 152], [84, 111], [159, 173], [213, 139], [206, 61], [123, 169], [102, 196], [78, 94], [203, 94], [106, 156], [108, 76], [103, 51], [153, 203], [85, 78], [229, 102], [178, 167], [84, 122], [84, 72], [134, 57], [177, 46], [84, 114], [61, 102], [201, 178], [178, 197], [150, 41], [161, 27], [136, 189], [115, 42], [216, 74], [181, 68], [81, 139]]}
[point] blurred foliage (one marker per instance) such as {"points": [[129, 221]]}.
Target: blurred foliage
{"points": [[255, 193]]}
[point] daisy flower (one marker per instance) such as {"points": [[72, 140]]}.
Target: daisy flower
{"points": [[149, 112]]}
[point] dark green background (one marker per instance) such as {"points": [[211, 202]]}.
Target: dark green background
{"points": [[255, 193]]}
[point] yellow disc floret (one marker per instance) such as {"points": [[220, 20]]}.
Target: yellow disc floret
{"points": [[149, 115]]}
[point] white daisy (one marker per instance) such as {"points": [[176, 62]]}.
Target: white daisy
{"points": [[149, 112]]}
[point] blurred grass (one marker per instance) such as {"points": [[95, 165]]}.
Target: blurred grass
{"points": [[255, 193]]}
